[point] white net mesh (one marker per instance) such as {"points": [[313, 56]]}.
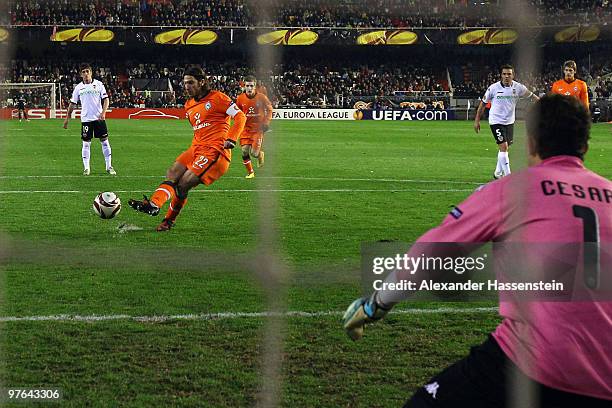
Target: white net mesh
{"points": [[31, 95]]}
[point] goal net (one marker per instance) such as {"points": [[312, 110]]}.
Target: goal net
{"points": [[34, 95]]}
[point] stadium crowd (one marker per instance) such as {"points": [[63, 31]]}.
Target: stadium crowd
{"points": [[288, 85], [295, 13], [475, 82], [334, 84]]}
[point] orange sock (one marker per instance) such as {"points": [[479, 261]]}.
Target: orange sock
{"points": [[248, 165], [164, 192], [176, 205]]}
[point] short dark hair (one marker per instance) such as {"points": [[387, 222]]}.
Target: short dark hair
{"points": [[570, 64], [195, 71], [250, 78], [506, 66], [84, 66], [559, 125]]}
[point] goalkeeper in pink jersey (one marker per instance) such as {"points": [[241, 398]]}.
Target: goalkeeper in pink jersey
{"points": [[563, 349]]}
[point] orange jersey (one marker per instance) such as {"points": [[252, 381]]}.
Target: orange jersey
{"points": [[576, 88], [257, 109], [210, 119]]}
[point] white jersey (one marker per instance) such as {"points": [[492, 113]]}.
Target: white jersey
{"points": [[503, 101], [91, 96]]}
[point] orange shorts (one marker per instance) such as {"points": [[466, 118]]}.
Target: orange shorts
{"points": [[208, 164], [253, 139]]}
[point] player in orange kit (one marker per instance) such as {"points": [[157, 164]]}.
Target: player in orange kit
{"points": [[258, 110], [209, 155], [569, 85]]}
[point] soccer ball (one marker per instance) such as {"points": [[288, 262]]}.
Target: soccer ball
{"points": [[106, 205]]}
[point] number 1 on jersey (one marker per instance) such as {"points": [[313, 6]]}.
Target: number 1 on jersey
{"points": [[590, 224]]}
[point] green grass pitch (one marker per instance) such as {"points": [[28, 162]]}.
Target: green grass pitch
{"points": [[337, 185]]}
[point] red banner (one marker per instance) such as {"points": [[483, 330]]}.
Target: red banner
{"points": [[119, 113]]}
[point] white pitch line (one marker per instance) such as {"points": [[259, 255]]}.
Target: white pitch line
{"points": [[384, 180], [227, 315], [39, 191], [338, 190]]}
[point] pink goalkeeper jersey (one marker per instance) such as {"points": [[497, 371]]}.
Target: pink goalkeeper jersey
{"points": [[564, 345]]}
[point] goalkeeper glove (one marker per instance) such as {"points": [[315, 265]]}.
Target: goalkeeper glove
{"points": [[229, 144], [361, 311], [264, 128]]}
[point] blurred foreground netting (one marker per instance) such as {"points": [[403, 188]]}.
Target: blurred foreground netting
{"points": [[254, 321]]}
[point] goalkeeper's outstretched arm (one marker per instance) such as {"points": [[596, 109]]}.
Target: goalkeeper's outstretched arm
{"points": [[468, 226]]}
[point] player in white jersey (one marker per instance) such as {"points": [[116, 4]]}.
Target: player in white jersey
{"points": [[94, 104], [503, 96]]}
